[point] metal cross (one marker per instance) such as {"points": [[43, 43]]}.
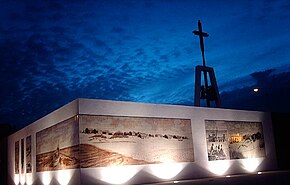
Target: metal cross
{"points": [[201, 35]]}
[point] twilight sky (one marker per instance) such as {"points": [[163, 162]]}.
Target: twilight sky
{"points": [[53, 52]]}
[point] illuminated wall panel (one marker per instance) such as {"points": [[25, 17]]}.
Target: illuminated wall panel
{"points": [[234, 139], [117, 141], [57, 146], [22, 156], [16, 162], [28, 155]]}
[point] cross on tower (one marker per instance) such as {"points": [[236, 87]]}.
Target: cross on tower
{"points": [[206, 91], [201, 35]]}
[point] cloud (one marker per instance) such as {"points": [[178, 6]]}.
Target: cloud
{"points": [[163, 58], [55, 6], [139, 52], [58, 30], [55, 51], [117, 29], [99, 43], [262, 76], [272, 95]]}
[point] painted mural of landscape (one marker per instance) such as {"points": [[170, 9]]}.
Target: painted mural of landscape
{"points": [[57, 146], [234, 140], [115, 140]]}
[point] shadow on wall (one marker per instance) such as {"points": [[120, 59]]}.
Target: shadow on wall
{"points": [[3, 161], [5, 130], [281, 128]]}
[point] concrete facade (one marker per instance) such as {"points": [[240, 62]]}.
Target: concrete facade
{"points": [[199, 167]]}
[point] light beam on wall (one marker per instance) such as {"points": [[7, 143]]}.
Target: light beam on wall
{"points": [[166, 170], [64, 176], [166, 159], [16, 179], [29, 180], [46, 178], [219, 167], [118, 174], [251, 164], [22, 179]]}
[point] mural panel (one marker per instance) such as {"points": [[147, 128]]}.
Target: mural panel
{"points": [[234, 139], [28, 155], [115, 140], [57, 146], [22, 155], [17, 157]]}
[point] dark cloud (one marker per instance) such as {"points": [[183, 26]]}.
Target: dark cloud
{"points": [[188, 50], [35, 8], [100, 43], [55, 6], [163, 58], [56, 16], [117, 29], [139, 52], [262, 77], [285, 6], [272, 95], [176, 53], [58, 30]]}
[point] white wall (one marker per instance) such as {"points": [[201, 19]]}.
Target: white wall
{"points": [[134, 174], [201, 167], [49, 120]]}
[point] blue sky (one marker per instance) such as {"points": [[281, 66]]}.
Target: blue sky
{"points": [[53, 52]]}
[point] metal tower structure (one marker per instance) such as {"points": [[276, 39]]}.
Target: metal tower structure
{"points": [[207, 91]]}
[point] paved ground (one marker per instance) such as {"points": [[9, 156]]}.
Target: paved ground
{"points": [[265, 178]]}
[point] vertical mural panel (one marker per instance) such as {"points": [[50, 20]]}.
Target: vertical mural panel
{"points": [[28, 155], [115, 140], [17, 157], [57, 146], [22, 155], [234, 139]]}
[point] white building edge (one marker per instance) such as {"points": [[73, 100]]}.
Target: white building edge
{"points": [[200, 167]]}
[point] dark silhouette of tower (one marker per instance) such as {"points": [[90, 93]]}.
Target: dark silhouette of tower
{"points": [[207, 91]]}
